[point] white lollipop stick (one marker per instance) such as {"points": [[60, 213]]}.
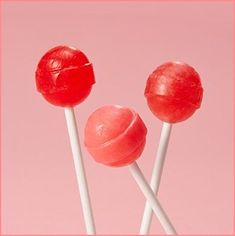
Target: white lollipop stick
{"points": [[156, 175], [151, 198], [80, 171]]}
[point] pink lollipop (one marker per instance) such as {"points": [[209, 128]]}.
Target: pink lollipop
{"points": [[115, 136]]}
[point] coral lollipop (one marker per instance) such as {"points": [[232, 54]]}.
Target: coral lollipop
{"points": [[173, 93], [64, 77], [115, 136]]}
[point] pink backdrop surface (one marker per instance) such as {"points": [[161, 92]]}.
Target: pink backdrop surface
{"points": [[125, 41]]}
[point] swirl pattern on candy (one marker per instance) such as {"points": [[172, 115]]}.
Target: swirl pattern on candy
{"points": [[115, 135], [64, 76], [174, 92]]}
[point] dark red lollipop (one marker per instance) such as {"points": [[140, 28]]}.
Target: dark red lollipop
{"points": [[64, 76], [174, 92]]}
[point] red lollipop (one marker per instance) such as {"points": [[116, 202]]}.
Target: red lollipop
{"points": [[173, 93], [64, 77]]}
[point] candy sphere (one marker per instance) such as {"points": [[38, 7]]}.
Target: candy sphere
{"points": [[115, 135], [64, 76], [174, 92]]}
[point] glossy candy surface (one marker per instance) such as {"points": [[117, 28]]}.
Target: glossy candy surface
{"points": [[174, 92], [115, 135], [64, 76]]}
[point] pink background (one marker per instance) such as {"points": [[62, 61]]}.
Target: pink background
{"points": [[125, 41]]}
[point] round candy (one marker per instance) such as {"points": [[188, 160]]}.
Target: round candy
{"points": [[174, 92], [64, 76], [115, 135]]}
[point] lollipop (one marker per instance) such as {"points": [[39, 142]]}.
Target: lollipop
{"points": [[64, 77], [173, 93], [115, 136]]}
